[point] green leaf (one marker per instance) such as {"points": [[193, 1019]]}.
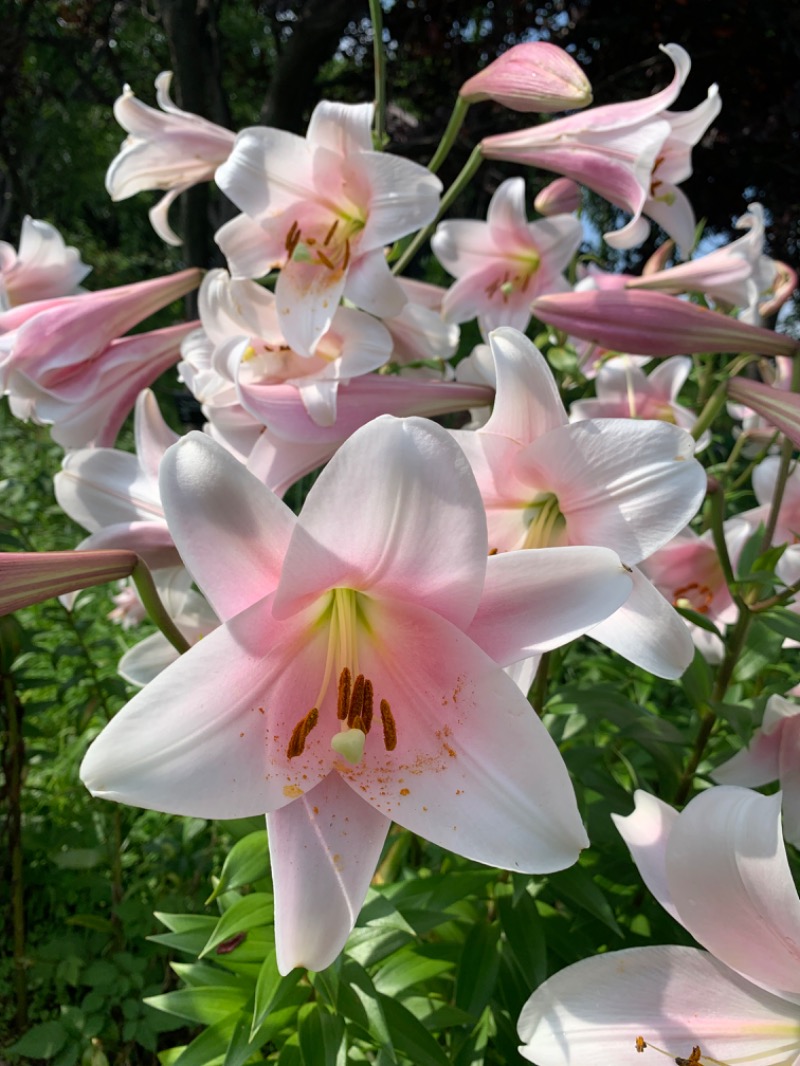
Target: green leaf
{"points": [[477, 970], [322, 1038], [577, 886], [41, 1042], [206, 1005], [254, 910], [211, 1044], [247, 861], [524, 933], [359, 1001], [184, 923], [697, 682], [410, 1036], [199, 974], [271, 989], [782, 621], [409, 967]]}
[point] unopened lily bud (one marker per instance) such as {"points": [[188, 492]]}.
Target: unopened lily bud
{"points": [[652, 323], [779, 407], [30, 577], [560, 197], [535, 76], [658, 260]]}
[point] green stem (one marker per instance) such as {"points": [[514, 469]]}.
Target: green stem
{"points": [[457, 117], [714, 405], [143, 580], [376, 17], [467, 172]]}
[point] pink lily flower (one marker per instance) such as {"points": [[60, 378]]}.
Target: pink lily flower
{"points": [[688, 573], [322, 207], [655, 324], [773, 754], [506, 262], [31, 577], [241, 319], [720, 869], [532, 76], [735, 275], [633, 154], [43, 268], [115, 496], [626, 485], [625, 391], [167, 149], [351, 680]]}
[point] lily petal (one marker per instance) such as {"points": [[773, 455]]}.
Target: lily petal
{"points": [[324, 848], [673, 997]]}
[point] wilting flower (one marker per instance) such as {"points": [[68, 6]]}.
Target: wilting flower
{"points": [[655, 324], [720, 869], [532, 76], [633, 154], [503, 264], [167, 149], [623, 484], [773, 754], [322, 207], [350, 682], [43, 268]]}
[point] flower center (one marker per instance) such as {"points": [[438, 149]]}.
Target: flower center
{"points": [[694, 597], [507, 284], [329, 248], [547, 524], [355, 698]]}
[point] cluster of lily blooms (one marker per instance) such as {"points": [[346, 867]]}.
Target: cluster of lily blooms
{"points": [[369, 659]]}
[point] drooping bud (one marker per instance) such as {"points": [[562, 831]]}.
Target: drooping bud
{"points": [[560, 197], [534, 76], [779, 407]]}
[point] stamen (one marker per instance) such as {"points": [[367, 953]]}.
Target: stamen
{"points": [[343, 702], [325, 260], [292, 237], [367, 710], [640, 1044], [330, 233], [297, 741], [356, 708], [389, 728], [346, 253]]}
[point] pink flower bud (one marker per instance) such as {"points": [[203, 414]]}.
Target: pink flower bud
{"points": [[779, 407], [535, 76], [560, 197], [30, 577], [652, 323]]}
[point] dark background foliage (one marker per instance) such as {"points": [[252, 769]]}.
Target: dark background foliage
{"points": [[238, 62]]}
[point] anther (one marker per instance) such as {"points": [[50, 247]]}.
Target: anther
{"points": [[346, 253], [640, 1044], [297, 741], [356, 708], [367, 709], [292, 237], [330, 233], [343, 702], [325, 260], [389, 728]]}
